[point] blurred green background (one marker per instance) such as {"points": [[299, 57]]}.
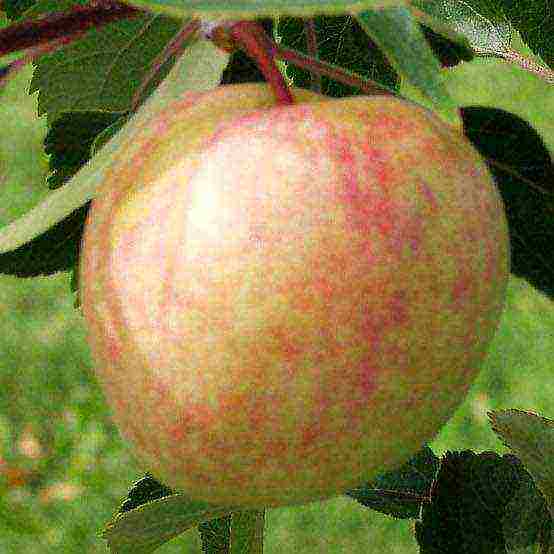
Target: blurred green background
{"points": [[63, 468]]}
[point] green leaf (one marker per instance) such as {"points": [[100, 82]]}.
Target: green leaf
{"points": [[487, 512], [216, 535], [531, 437], [200, 68], [247, 532], [14, 9], [240, 533], [534, 19], [483, 24], [102, 70], [104, 136], [251, 9], [341, 41], [398, 34], [69, 141], [146, 528], [495, 84], [399, 492]]}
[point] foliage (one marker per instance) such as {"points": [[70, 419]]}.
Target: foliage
{"points": [[63, 469]]}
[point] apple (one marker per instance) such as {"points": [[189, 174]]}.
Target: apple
{"points": [[284, 301]]}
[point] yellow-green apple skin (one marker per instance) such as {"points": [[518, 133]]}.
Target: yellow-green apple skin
{"points": [[284, 301]]}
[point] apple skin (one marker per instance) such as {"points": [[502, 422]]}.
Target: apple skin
{"points": [[283, 302]]}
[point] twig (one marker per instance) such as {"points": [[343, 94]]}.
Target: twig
{"points": [[174, 48], [330, 70], [62, 25], [312, 47]]}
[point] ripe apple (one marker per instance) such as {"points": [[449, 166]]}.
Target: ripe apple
{"points": [[284, 301]]}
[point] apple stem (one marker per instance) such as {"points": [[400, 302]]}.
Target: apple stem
{"points": [[252, 38]]}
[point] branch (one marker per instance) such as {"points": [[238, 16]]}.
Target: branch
{"points": [[174, 48], [62, 25], [330, 70]]}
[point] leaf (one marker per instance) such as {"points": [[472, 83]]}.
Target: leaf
{"points": [[531, 437], [483, 24], [399, 493], [523, 172], [398, 34], [104, 136], [15, 8], [69, 141], [496, 84], [469, 502], [247, 532], [146, 528], [216, 535], [341, 41], [519, 154], [145, 490], [200, 68], [53, 251], [534, 19], [447, 47], [240, 533], [252, 9], [102, 70], [524, 523]]}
